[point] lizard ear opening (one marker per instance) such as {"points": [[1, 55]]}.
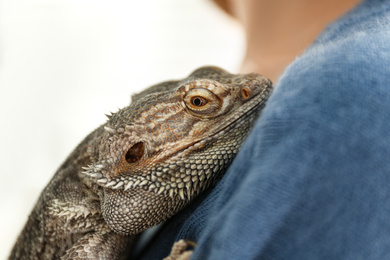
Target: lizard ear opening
{"points": [[135, 152]]}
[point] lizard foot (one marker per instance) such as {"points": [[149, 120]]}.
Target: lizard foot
{"points": [[180, 250]]}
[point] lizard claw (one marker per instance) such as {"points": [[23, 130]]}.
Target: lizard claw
{"points": [[180, 250]]}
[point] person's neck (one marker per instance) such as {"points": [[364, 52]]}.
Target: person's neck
{"points": [[279, 30]]}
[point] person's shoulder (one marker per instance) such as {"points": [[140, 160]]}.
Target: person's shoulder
{"points": [[354, 49], [339, 77], [358, 58]]}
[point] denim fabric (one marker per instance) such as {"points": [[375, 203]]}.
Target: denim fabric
{"points": [[312, 181]]}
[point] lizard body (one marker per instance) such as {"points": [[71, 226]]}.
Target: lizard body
{"points": [[143, 165]]}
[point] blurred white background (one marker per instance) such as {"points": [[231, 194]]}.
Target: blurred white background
{"points": [[65, 63]]}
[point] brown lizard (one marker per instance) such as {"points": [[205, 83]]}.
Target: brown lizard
{"points": [[143, 165]]}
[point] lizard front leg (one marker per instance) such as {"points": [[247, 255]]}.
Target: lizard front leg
{"points": [[83, 226], [98, 246]]}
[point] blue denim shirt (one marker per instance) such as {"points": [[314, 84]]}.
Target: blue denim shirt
{"points": [[312, 181]]}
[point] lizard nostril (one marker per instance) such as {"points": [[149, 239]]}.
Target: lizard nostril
{"points": [[135, 152], [245, 92]]}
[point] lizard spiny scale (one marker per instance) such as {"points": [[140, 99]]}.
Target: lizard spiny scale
{"points": [[143, 165]]}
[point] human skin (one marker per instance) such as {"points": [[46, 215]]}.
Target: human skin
{"points": [[277, 31]]}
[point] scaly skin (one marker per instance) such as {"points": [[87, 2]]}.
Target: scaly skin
{"points": [[143, 165]]}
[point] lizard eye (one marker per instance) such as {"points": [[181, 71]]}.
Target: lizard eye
{"points": [[198, 101], [135, 152], [202, 102]]}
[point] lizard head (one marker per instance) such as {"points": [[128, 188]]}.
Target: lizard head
{"points": [[171, 143]]}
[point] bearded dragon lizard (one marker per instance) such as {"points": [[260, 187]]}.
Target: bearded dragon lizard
{"points": [[143, 165]]}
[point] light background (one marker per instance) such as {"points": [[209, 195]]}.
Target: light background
{"points": [[65, 63]]}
